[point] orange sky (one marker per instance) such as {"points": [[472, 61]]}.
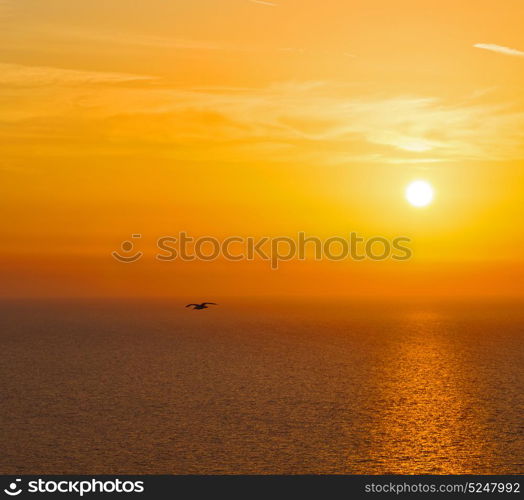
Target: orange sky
{"points": [[228, 117]]}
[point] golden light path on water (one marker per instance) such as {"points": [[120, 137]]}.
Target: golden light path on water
{"points": [[429, 422], [281, 387]]}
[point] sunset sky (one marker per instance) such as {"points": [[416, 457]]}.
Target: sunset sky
{"points": [[247, 117]]}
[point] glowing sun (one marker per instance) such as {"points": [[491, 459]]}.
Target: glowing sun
{"points": [[419, 193]]}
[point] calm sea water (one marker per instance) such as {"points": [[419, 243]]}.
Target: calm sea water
{"points": [[271, 388]]}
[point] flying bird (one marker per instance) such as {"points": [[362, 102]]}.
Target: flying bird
{"points": [[204, 305]]}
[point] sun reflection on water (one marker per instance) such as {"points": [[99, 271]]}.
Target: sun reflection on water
{"points": [[425, 418]]}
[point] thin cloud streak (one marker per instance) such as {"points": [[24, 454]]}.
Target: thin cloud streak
{"points": [[18, 75], [508, 51], [262, 2]]}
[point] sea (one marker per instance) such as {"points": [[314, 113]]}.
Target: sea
{"points": [[272, 386]]}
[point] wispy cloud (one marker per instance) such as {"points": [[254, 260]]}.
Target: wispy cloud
{"points": [[508, 51], [263, 2], [29, 76], [97, 39], [321, 122], [148, 41]]}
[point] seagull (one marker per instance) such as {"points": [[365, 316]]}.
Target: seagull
{"points": [[204, 305]]}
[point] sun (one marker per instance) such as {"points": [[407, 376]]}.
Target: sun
{"points": [[419, 193]]}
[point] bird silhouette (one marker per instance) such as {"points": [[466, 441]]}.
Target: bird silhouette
{"points": [[204, 305]]}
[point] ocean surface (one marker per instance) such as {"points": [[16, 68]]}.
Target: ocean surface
{"points": [[285, 387]]}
